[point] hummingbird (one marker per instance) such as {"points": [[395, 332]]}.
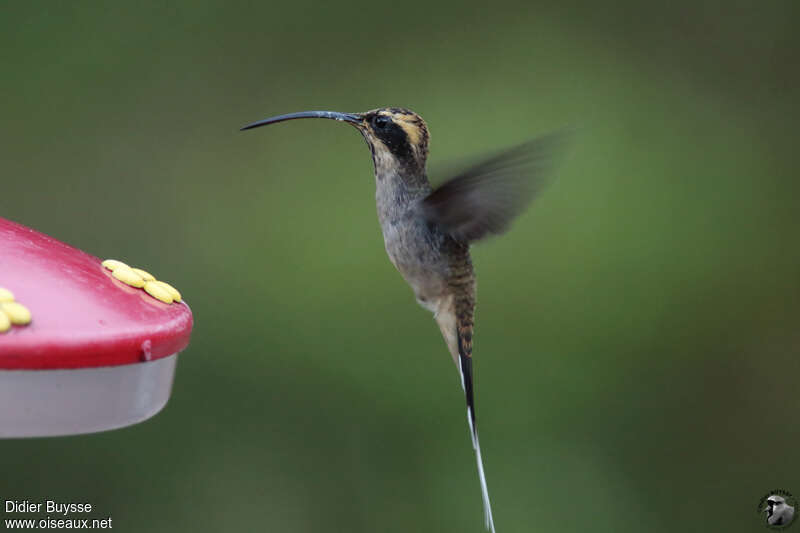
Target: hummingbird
{"points": [[427, 231]]}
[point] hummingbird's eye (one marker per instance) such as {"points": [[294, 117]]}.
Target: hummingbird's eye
{"points": [[381, 121]]}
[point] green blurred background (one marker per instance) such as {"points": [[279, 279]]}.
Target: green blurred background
{"points": [[636, 345]]}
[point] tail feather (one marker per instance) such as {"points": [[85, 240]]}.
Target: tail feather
{"points": [[465, 369]]}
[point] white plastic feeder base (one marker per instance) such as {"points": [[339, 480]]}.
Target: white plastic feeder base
{"points": [[46, 403]]}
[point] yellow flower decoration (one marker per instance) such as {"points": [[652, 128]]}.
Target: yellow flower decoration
{"points": [[141, 279], [12, 312]]}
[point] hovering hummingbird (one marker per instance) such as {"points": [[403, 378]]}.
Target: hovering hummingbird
{"points": [[427, 231]]}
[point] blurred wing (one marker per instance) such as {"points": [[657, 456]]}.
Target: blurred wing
{"points": [[484, 199]]}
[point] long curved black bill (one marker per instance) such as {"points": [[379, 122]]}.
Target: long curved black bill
{"points": [[333, 115]]}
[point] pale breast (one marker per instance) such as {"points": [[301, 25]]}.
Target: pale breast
{"points": [[417, 253]]}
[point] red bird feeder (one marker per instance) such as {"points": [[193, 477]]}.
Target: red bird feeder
{"points": [[83, 347]]}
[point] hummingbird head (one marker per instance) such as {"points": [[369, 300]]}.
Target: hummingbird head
{"points": [[397, 137]]}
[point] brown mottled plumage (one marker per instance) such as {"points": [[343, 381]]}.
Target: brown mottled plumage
{"points": [[427, 232]]}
